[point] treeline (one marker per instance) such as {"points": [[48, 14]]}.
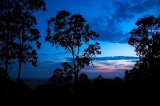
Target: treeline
{"points": [[86, 91]]}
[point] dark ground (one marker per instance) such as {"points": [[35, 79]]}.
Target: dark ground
{"points": [[91, 93]]}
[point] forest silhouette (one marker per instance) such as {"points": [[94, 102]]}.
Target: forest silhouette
{"points": [[18, 32]]}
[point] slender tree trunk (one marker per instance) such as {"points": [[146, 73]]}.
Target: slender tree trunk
{"points": [[20, 66], [75, 72], [18, 80], [76, 77], [75, 69], [7, 57], [21, 55], [6, 69]]}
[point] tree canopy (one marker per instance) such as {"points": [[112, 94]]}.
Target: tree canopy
{"points": [[146, 41], [18, 33], [72, 32]]}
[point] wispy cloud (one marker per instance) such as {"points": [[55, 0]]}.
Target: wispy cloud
{"points": [[110, 58], [115, 64], [59, 53], [102, 65], [116, 58]]}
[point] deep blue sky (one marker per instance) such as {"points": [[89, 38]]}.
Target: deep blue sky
{"points": [[112, 19]]}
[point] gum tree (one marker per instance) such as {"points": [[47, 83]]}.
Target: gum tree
{"points": [[146, 41], [72, 32], [18, 33]]}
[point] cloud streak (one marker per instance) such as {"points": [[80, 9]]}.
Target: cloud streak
{"points": [[110, 58], [100, 64]]}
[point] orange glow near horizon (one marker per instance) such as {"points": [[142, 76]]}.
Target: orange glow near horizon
{"points": [[110, 66]]}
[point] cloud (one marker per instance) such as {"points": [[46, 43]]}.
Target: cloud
{"points": [[102, 65], [115, 64], [126, 10], [122, 11], [133, 60], [116, 58], [103, 60], [108, 64], [151, 4], [110, 27], [108, 30]]}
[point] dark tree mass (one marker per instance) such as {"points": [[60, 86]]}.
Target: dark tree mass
{"points": [[72, 32], [18, 33], [146, 41]]}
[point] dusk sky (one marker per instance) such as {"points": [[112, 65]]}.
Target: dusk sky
{"points": [[111, 19]]}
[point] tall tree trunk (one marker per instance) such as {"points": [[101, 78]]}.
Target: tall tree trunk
{"points": [[76, 77], [18, 79], [6, 67], [75, 69], [21, 55], [20, 66], [7, 56]]}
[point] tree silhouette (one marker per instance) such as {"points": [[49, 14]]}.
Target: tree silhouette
{"points": [[7, 35], [7, 44], [99, 79], [83, 79], [57, 78], [18, 37], [27, 33], [71, 32], [18, 32], [146, 41], [62, 76]]}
